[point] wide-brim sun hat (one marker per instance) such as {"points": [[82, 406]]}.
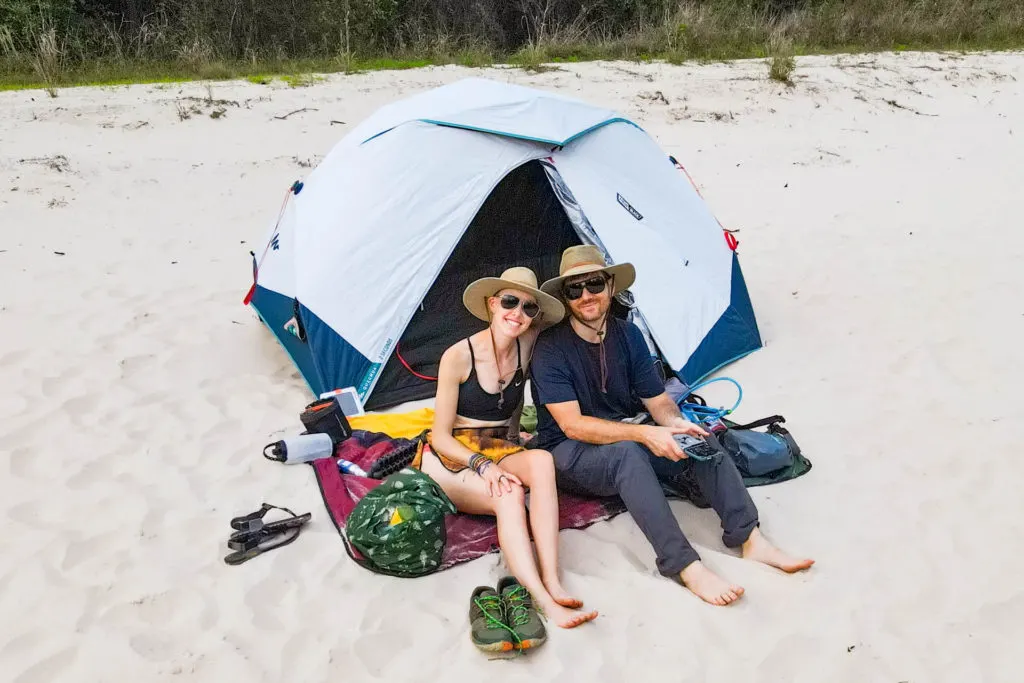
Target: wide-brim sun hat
{"points": [[586, 258], [520, 278]]}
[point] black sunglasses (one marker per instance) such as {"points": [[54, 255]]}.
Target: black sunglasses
{"points": [[594, 285], [510, 301]]}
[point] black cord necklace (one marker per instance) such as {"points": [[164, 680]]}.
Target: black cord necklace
{"points": [[600, 330]]}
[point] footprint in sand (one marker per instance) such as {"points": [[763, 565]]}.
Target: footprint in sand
{"points": [[53, 668], [16, 358], [80, 409], [184, 607], [97, 471], [781, 665], [302, 656], [154, 647], [98, 550], [34, 514], [266, 599], [377, 651], [25, 463], [132, 366]]}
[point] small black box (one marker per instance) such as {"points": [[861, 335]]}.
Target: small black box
{"points": [[325, 416]]}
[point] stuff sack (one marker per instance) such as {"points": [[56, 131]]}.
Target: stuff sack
{"points": [[760, 453], [325, 416], [399, 525]]}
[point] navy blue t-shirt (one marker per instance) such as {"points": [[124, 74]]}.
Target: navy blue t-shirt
{"points": [[564, 368]]}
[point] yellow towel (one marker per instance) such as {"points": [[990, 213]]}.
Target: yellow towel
{"points": [[396, 425]]}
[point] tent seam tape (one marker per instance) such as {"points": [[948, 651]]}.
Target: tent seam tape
{"points": [[563, 143]]}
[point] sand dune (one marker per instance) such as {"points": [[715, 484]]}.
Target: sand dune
{"points": [[879, 202]]}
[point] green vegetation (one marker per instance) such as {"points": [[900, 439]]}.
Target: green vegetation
{"points": [[780, 60], [58, 43]]}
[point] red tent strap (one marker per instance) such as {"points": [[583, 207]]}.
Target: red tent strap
{"points": [[730, 239], [398, 352]]}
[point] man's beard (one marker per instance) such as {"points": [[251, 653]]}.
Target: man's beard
{"points": [[591, 316]]}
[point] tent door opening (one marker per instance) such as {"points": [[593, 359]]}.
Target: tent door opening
{"points": [[522, 223]]}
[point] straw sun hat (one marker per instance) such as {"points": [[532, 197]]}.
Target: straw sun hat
{"points": [[586, 258], [523, 279]]}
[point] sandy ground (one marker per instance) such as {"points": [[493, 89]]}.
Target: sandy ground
{"points": [[880, 205]]}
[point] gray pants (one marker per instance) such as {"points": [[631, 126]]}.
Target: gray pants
{"points": [[630, 471]]}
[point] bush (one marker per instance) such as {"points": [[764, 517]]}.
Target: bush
{"points": [[49, 40]]}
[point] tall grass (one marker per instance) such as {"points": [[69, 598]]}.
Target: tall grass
{"points": [[780, 60], [56, 42], [48, 59]]}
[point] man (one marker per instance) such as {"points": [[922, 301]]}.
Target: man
{"points": [[592, 371]]}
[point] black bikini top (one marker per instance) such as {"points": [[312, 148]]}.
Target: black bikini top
{"points": [[477, 404]]}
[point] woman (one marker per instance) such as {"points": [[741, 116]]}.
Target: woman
{"points": [[473, 451]]}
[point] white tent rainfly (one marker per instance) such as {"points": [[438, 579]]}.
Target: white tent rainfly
{"points": [[362, 273]]}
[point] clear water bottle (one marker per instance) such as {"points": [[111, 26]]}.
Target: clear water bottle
{"points": [[301, 448]]}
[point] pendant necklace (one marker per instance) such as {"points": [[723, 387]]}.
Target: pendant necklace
{"points": [[497, 365]]}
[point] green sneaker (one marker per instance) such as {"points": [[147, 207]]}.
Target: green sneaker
{"points": [[522, 615], [487, 627]]}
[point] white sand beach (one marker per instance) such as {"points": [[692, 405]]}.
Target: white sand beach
{"points": [[879, 204]]}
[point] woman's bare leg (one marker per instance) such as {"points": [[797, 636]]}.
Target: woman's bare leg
{"points": [[469, 494], [536, 470]]}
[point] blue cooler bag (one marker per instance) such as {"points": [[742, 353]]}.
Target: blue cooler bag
{"points": [[760, 453]]}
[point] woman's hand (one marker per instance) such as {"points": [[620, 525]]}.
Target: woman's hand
{"points": [[498, 480]]}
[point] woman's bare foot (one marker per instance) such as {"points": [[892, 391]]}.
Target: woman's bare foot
{"points": [[560, 595], [708, 586], [567, 618], [758, 548]]}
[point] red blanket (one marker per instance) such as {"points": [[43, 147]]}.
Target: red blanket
{"points": [[469, 536]]}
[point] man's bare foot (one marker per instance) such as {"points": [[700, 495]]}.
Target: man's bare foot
{"points": [[561, 596], [708, 586], [567, 618], [758, 548]]}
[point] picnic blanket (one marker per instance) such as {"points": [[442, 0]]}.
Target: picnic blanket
{"points": [[469, 536], [472, 536]]}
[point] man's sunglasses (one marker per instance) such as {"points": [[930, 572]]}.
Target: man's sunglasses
{"points": [[594, 285], [510, 301]]}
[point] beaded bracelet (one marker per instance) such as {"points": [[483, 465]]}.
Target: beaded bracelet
{"points": [[479, 462]]}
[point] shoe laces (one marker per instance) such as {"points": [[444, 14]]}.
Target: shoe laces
{"points": [[519, 604], [489, 605]]}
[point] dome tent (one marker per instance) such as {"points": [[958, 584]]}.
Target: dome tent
{"points": [[371, 253]]}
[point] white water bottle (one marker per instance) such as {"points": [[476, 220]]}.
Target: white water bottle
{"points": [[301, 448]]}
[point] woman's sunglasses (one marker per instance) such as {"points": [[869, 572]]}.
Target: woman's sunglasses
{"points": [[510, 301], [594, 285]]}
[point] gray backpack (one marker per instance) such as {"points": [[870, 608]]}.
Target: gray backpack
{"points": [[760, 453]]}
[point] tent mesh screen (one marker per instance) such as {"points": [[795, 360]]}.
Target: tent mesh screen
{"points": [[520, 224]]}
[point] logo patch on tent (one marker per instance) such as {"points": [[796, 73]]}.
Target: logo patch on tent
{"points": [[628, 207], [275, 242]]}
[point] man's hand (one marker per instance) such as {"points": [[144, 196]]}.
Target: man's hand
{"points": [[660, 441], [687, 427]]}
